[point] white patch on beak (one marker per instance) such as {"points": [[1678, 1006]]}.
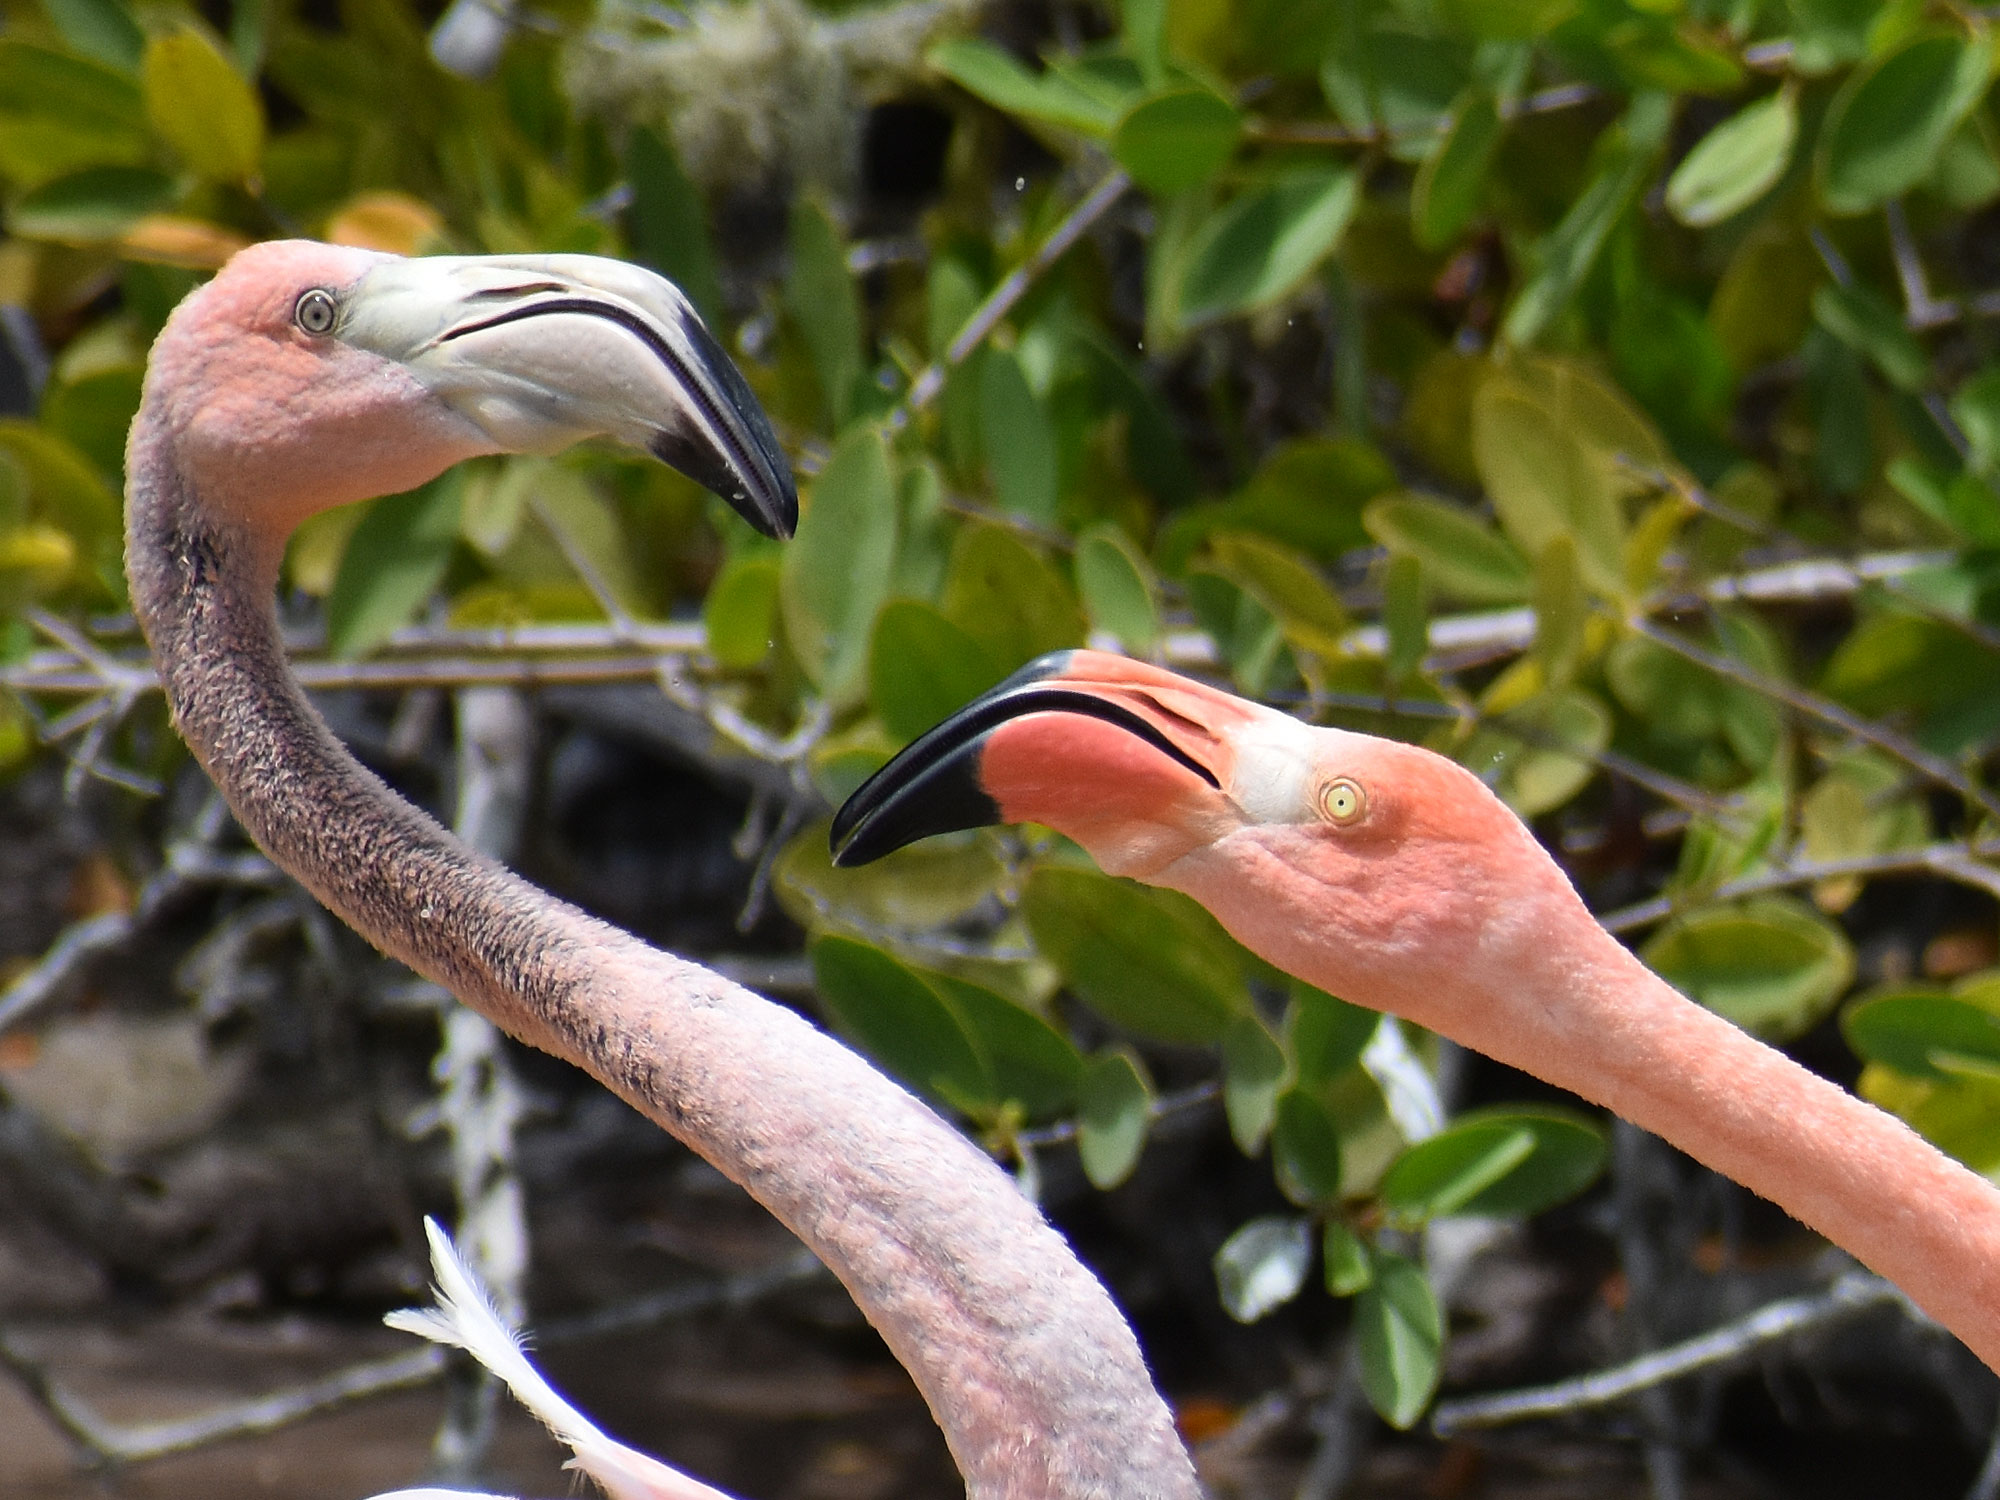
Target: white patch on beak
{"points": [[1273, 771]]}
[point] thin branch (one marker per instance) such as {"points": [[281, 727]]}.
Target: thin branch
{"points": [[1952, 861], [1813, 706], [1853, 1292], [1004, 297], [1920, 309]]}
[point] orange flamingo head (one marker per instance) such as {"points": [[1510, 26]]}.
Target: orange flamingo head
{"points": [[306, 375], [1380, 870]]}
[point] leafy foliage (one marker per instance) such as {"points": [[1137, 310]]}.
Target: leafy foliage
{"points": [[1602, 314]]}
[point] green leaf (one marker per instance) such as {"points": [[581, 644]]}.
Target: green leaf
{"points": [[1263, 1265], [1146, 38], [901, 1022], [1508, 1163], [1771, 966], [202, 107], [1546, 481], [94, 413], [668, 224], [1288, 586], [1150, 961], [1253, 1065], [1736, 163], [1118, 589], [1307, 494], [1305, 1149], [1001, 592], [1561, 611], [1325, 1036], [1507, 20], [1448, 185], [932, 884], [1034, 1065], [740, 613], [836, 572], [102, 30], [1345, 1254], [1541, 754], [1020, 444], [983, 69], [1398, 1331], [91, 206], [1261, 246], [1113, 1116], [1889, 122], [1176, 141], [922, 668], [1405, 618], [1864, 320], [822, 302], [1568, 251], [59, 114], [1923, 1034], [1460, 553], [394, 561]]}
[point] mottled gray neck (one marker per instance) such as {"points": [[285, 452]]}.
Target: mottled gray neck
{"points": [[1034, 1377]]}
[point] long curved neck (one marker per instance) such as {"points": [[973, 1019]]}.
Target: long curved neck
{"points": [[1034, 1377], [1593, 1019]]}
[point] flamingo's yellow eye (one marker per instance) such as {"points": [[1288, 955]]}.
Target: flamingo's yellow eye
{"points": [[1342, 801]]}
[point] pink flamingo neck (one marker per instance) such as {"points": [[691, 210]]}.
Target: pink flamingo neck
{"points": [[1032, 1374], [1585, 1014]]}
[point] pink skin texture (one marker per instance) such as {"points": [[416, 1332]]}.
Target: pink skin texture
{"points": [[250, 423], [1395, 879]]}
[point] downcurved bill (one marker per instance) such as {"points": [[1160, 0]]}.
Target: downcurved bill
{"points": [[1074, 732], [541, 351]]}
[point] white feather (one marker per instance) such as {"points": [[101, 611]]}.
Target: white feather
{"points": [[466, 1318]]}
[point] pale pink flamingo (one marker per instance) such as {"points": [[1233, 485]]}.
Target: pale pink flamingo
{"points": [[306, 376], [1393, 878]]}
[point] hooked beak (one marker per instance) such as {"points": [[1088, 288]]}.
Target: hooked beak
{"points": [[1127, 739], [542, 351]]}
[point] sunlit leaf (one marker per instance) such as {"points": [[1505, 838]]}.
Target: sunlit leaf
{"points": [[1448, 185], [1926, 1035], [102, 30], [1117, 587], [1769, 965], [1460, 553], [1020, 444], [1263, 1265], [201, 106], [1736, 163], [922, 668], [1003, 594], [900, 1022], [1305, 1148], [1502, 1162], [91, 206], [1176, 140], [740, 613], [1253, 1066], [820, 296]]}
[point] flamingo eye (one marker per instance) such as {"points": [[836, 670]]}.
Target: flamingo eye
{"points": [[315, 311], [1343, 802]]}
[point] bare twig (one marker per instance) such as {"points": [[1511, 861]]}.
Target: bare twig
{"points": [[1813, 706], [1004, 297], [1852, 1292], [1950, 860]]}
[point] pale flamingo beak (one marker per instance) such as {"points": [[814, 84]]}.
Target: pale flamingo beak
{"points": [[541, 351], [1078, 740]]}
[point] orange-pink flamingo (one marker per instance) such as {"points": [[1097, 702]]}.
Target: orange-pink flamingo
{"points": [[1392, 877], [305, 376]]}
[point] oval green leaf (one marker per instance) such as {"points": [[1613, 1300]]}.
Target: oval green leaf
{"points": [[1770, 966], [201, 106], [1005, 595], [1736, 163], [1505, 1163], [922, 667], [1460, 553], [1305, 1149], [1177, 140], [1398, 1331], [91, 206], [1253, 1067], [1446, 194], [1264, 243], [1885, 128], [1117, 586], [1148, 960], [1019, 441], [740, 614], [1114, 1113], [1925, 1035], [837, 570], [396, 557]]}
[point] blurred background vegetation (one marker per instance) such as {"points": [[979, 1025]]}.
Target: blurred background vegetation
{"points": [[1602, 392]]}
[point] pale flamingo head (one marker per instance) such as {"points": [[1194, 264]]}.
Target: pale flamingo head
{"points": [[305, 376], [1380, 869]]}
